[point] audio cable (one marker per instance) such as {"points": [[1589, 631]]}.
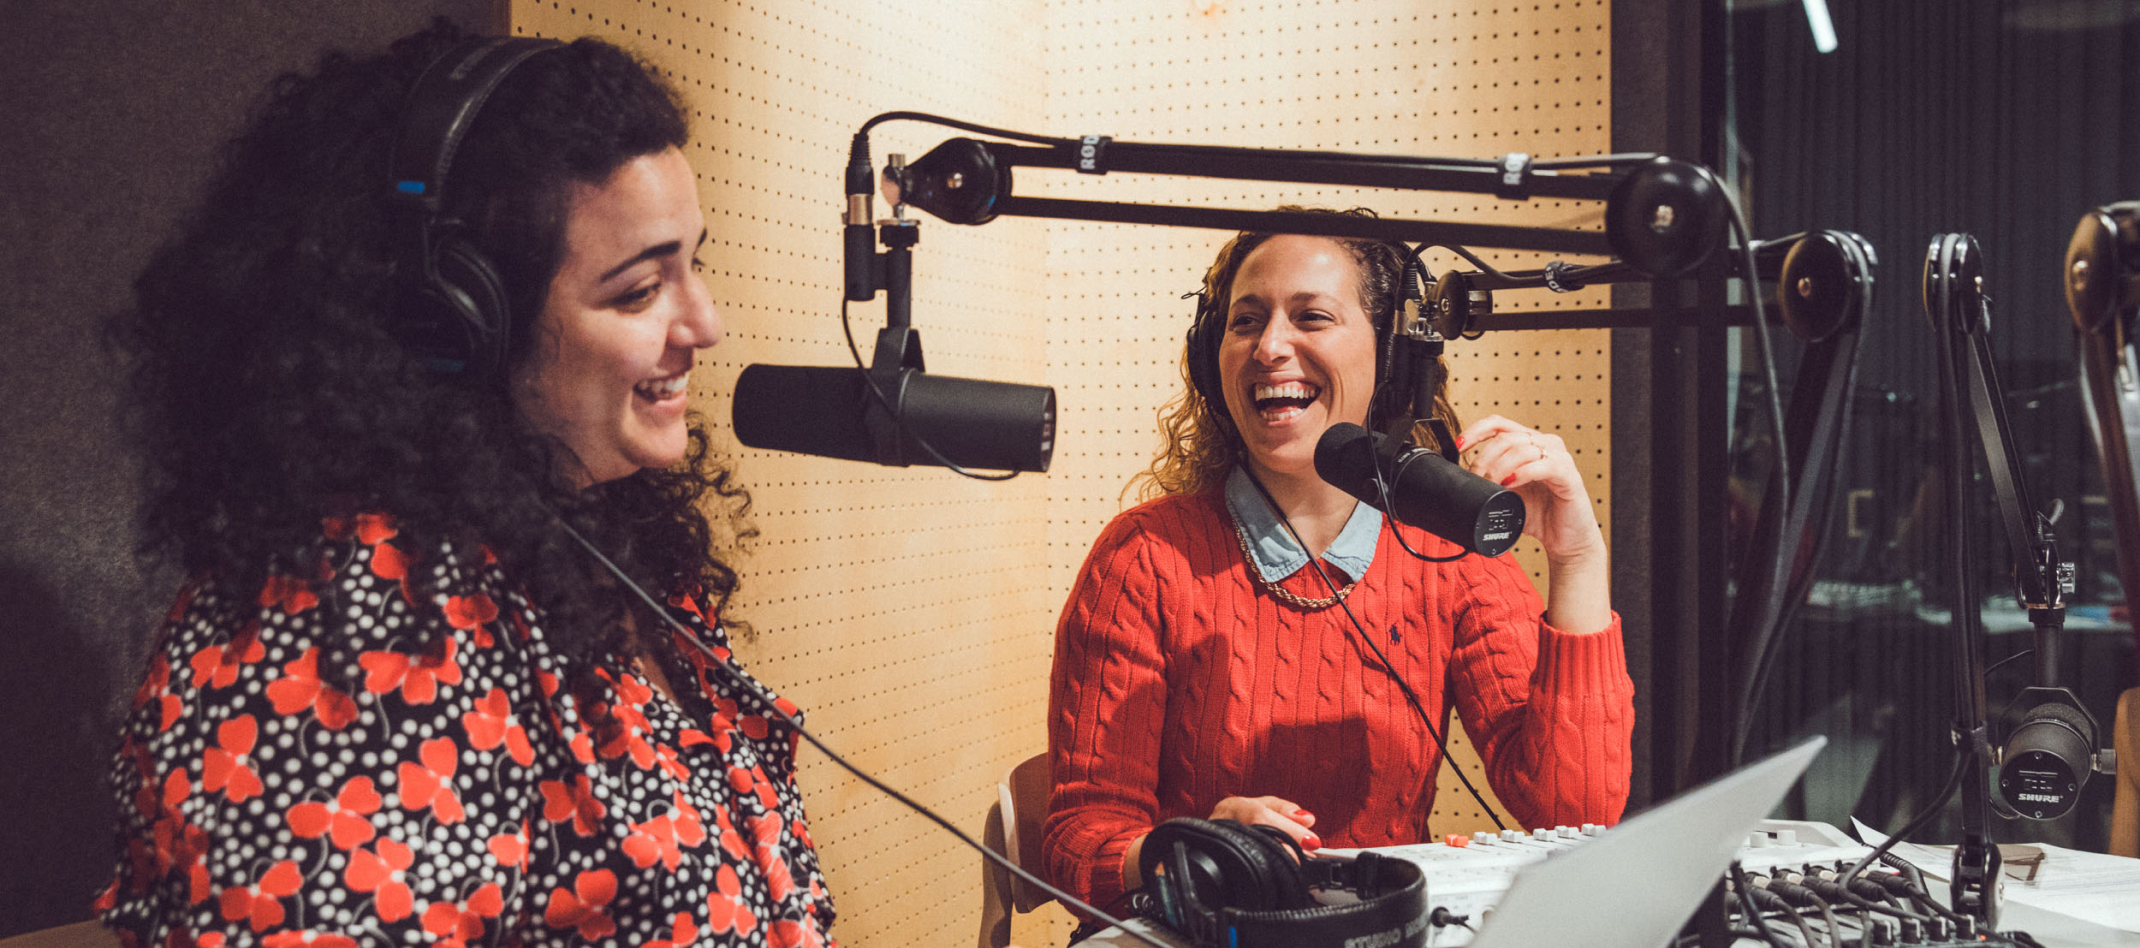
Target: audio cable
{"points": [[1913, 880], [1914, 824], [883, 401], [773, 707], [1382, 484], [1744, 890], [1764, 895], [1361, 629]]}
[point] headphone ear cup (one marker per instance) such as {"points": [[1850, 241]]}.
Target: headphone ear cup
{"points": [[476, 307], [1267, 878], [1230, 866], [1202, 352]]}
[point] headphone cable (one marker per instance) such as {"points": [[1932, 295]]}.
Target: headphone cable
{"points": [[1361, 628], [735, 676], [1382, 487]]}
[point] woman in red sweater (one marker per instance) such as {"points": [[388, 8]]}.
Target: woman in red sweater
{"points": [[1202, 669]]}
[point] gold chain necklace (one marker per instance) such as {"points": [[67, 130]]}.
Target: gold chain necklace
{"points": [[1280, 591]]}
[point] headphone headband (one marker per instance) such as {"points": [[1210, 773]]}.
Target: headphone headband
{"points": [[455, 313], [1208, 327], [443, 104]]}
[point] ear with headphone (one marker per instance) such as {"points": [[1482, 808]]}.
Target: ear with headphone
{"points": [[1391, 365], [1225, 884], [452, 311]]}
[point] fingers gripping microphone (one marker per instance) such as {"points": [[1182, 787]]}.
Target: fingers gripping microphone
{"points": [[1424, 489]]}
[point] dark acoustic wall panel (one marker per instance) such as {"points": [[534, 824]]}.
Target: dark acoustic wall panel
{"points": [[111, 118]]}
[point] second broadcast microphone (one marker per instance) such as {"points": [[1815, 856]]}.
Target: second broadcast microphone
{"points": [[828, 412], [1421, 488]]}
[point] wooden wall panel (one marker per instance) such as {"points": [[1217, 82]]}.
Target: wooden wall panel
{"points": [[912, 612]]}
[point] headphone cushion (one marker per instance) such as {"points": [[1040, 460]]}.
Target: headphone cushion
{"points": [[471, 299], [1203, 356]]}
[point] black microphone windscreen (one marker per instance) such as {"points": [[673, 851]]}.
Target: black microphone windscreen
{"points": [[807, 409], [1421, 488], [827, 412]]}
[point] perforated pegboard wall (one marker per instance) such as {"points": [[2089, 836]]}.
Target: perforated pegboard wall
{"points": [[912, 612]]}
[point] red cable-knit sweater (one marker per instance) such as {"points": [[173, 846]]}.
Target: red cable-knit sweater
{"points": [[1180, 681]]}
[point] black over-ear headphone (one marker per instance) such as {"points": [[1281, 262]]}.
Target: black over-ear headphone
{"points": [[453, 312], [1225, 884], [1390, 393]]}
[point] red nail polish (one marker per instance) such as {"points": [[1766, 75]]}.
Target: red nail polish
{"points": [[1460, 442], [1310, 842], [1506, 481]]}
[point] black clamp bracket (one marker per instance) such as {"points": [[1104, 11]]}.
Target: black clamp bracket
{"points": [[1512, 180], [1092, 154], [1560, 279]]}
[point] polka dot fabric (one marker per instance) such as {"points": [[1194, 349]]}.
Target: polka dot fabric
{"points": [[449, 786]]}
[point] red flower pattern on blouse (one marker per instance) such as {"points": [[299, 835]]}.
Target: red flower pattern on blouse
{"points": [[226, 766], [430, 784], [217, 665], [428, 771], [575, 803], [463, 921], [681, 933], [418, 676], [156, 686], [290, 593], [383, 873], [581, 908], [790, 934], [342, 820], [468, 612], [261, 902], [492, 723], [510, 849], [725, 911], [300, 689], [375, 528], [308, 939]]}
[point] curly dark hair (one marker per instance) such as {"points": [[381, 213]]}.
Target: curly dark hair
{"points": [[1198, 446], [268, 390]]}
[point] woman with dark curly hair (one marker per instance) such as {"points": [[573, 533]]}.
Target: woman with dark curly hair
{"points": [[395, 702], [1202, 669]]}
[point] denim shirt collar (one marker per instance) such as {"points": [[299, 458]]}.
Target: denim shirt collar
{"points": [[1272, 549]]}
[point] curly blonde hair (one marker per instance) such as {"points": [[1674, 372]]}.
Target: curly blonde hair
{"points": [[1198, 445]]}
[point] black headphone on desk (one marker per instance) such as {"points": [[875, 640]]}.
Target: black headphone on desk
{"points": [[1226, 885], [453, 313]]}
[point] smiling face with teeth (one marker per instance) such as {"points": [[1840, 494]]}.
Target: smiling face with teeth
{"points": [[609, 365], [1298, 353]]}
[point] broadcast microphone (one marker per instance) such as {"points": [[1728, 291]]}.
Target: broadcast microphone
{"points": [[1425, 489], [827, 411]]}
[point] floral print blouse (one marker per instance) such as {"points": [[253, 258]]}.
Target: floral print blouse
{"points": [[448, 788]]}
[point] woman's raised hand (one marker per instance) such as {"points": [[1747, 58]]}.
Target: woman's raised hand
{"points": [[1538, 467]]}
